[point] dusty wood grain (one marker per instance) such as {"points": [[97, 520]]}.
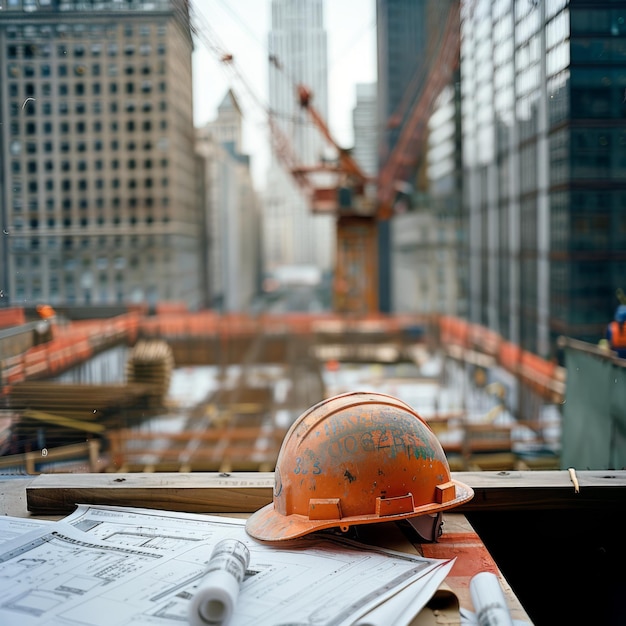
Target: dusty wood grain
{"points": [[248, 491]]}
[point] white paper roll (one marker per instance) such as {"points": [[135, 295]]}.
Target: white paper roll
{"points": [[489, 601], [214, 601]]}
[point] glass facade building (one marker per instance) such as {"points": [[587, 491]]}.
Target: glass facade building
{"points": [[401, 40], [544, 138]]}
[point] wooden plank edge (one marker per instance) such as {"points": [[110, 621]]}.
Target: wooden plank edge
{"points": [[245, 492]]}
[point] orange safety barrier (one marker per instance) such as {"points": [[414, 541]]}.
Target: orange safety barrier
{"points": [[13, 316], [167, 308], [454, 330], [537, 371], [484, 339], [509, 355]]}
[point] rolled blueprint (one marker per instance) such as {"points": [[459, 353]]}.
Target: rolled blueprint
{"points": [[489, 601], [214, 600]]}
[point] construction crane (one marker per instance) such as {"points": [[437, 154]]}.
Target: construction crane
{"points": [[357, 201], [441, 63], [352, 201], [351, 197], [358, 211]]}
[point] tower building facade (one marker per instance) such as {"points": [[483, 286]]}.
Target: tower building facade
{"points": [[297, 44], [542, 94], [98, 177]]}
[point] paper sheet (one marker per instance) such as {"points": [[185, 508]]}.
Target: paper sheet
{"points": [[108, 565], [12, 527]]}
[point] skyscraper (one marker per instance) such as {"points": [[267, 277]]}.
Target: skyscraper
{"points": [[232, 211], [364, 120], [543, 157], [401, 40], [415, 60], [297, 44], [98, 185]]}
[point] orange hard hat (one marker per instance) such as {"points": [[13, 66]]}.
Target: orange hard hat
{"points": [[356, 458]]}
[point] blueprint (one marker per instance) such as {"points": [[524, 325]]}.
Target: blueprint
{"points": [[11, 527], [103, 566]]}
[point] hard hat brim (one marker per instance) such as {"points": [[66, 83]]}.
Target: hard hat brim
{"points": [[269, 525]]}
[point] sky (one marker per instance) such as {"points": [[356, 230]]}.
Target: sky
{"points": [[240, 27]]}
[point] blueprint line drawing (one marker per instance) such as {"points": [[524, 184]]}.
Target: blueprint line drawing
{"points": [[103, 566]]}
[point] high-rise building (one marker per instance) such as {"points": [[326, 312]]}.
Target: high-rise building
{"points": [[401, 40], [543, 155], [297, 45], [365, 125], [418, 152], [98, 176], [232, 264]]}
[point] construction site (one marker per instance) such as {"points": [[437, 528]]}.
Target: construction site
{"points": [[182, 391], [147, 401], [187, 411]]}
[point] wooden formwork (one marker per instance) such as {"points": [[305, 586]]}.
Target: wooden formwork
{"points": [[232, 448]]}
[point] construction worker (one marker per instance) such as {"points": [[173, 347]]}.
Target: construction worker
{"points": [[616, 332]]}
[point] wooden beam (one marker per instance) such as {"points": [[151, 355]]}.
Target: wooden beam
{"points": [[245, 492]]}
